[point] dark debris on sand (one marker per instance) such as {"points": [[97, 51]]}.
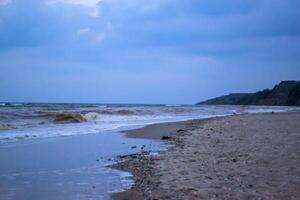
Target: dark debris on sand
{"points": [[142, 167]]}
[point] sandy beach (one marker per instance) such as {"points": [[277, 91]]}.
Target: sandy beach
{"points": [[250, 156]]}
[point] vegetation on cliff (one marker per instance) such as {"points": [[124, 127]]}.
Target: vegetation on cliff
{"points": [[286, 93]]}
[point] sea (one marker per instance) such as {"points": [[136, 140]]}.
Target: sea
{"points": [[60, 151]]}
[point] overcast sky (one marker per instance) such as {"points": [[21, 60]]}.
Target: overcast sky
{"points": [[145, 51]]}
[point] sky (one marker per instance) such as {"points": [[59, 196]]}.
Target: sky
{"points": [[145, 51]]}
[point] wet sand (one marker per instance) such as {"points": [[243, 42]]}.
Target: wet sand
{"points": [[251, 156]]}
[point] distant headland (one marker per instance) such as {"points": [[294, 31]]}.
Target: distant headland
{"points": [[286, 93]]}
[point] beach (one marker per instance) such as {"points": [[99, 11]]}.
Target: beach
{"points": [[247, 156], [96, 151], [149, 100]]}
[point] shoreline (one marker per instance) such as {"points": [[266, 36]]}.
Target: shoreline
{"points": [[66, 168], [140, 165], [232, 157]]}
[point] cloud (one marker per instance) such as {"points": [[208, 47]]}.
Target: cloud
{"points": [[91, 5], [141, 6], [193, 45], [100, 37], [5, 2], [83, 31], [94, 36]]}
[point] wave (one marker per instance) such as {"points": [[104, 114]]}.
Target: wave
{"points": [[91, 116], [172, 105], [17, 104], [43, 114], [69, 118], [46, 117], [11, 104], [124, 112], [7, 126], [102, 106], [113, 112], [58, 120], [84, 117]]}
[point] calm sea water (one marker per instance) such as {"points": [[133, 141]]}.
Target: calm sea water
{"points": [[60, 151]]}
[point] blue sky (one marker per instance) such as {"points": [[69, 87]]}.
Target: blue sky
{"points": [[145, 51]]}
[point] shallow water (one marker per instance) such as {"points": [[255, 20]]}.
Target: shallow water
{"points": [[66, 168]]}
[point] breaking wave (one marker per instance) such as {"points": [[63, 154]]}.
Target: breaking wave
{"points": [[116, 112], [11, 104], [69, 118], [32, 118], [89, 116], [7, 127]]}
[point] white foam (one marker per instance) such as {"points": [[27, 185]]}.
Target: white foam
{"points": [[172, 105], [91, 116], [102, 106], [103, 122]]}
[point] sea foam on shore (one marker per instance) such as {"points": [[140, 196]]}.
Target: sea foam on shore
{"points": [[31, 121]]}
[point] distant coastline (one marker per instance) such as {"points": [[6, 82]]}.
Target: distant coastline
{"points": [[286, 93]]}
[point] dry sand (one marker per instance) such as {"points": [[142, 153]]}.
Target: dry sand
{"points": [[252, 156]]}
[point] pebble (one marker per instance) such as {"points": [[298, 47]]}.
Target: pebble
{"points": [[165, 137]]}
